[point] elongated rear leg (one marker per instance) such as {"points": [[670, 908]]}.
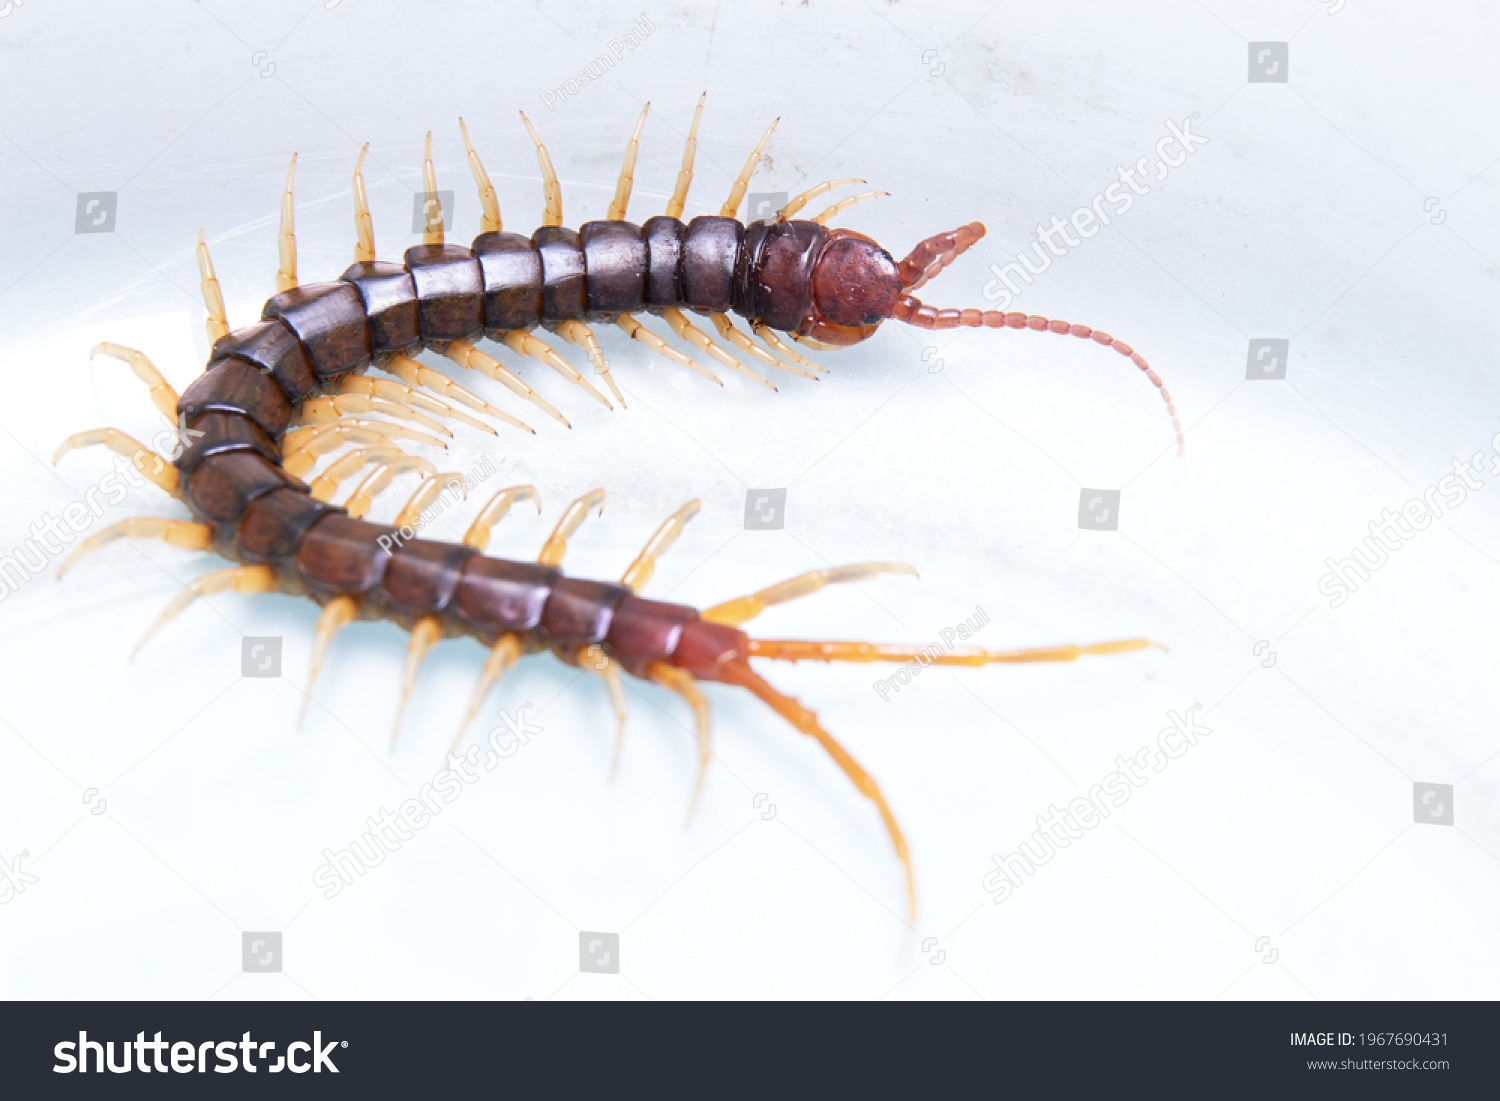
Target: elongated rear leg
{"points": [[148, 463], [865, 652], [239, 579], [337, 614], [175, 533], [732, 613], [682, 683], [162, 395]]}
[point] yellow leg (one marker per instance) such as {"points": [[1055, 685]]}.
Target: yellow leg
{"points": [[359, 502], [551, 190], [466, 355], [239, 579], [864, 652], [743, 609], [501, 657], [413, 373], [424, 633], [151, 466], [742, 342], [489, 205], [687, 331], [286, 240], [301, 447], [408, 396], [682, 683], [844, 204], [639, 572], [576, 332], [217, 324], [364, 228], [478, 535], [323, 410], [162, 395], [627, 172], [426, 493], [523, 343], [175, 533], [685, 173], [737, 192], [432, 208], [336, 615], [783, 349], [636, 331], [596, 661], [812, 193], [557, 543], [326, 484]]}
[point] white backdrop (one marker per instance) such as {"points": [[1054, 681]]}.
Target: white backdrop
{"points": [[168, 806]]}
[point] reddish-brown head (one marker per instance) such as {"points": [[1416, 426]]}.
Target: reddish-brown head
{"points": [[855, 286]]}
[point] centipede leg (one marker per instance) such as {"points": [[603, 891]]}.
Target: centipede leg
{"points": [[364, 227], [217, 324], [162, 395], [687, 331], [360, 500], [576, 332], [466, 355], [742, 342], [326, 484], [301, 447], [337, 614], [426, 493], [408, 397], [681, 682], [478, 535], [551, 189], [627, 171], [811, 193], [501, 657], [523, 343], [175, 533], [432, 206], [636, 331], [639, 571], [322, 410], [286, 239], [162, 474], [420, 375], [685, 173], [489, 205], [783, 349], [745, 608], [737, 192], [424, 633], [557, 543], [596, 661], [239, 579], [823, 216]]}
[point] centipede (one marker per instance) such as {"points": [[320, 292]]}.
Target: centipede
{"points": [[280, 396]]}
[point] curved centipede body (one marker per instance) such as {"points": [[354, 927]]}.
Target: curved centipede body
{"points": [[278, 395]]}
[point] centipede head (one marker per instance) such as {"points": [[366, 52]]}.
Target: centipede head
{"points": [[856, 285]]}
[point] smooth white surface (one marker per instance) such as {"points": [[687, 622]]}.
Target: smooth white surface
{"points": [[1303, 217]]}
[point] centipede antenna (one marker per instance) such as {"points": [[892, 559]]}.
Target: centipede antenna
{"points": [[162, 395], [627, 171], [426, 493], [745, 608], [576, 332], [148, 463], [489, 205], [844, 204], [494, 510], [739, 673], [364, 228], [522, 342], [337, 614], [500, 658], [695, 336], [413, 373], [727, 330], [175, 533], [551, 189], [240, 579], [935, 253], [681, 682], [432, 205], [286, 240], [557, 543], [636, 331], [424, 633], [685, 173], [742, 181], [811, 193], [639, 571], [217, 324]]}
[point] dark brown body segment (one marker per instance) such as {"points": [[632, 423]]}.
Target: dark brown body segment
{"points": [[710, 251], [615, 263], [237, 386], [512, 275], [495, 595], [663, 238], [562, 272], [450, 292], [423, 576], [329, 320], [390, 302], [271, 529], [223, 485], [340, 556], [781, 273], [578, 611], [215, 433], [275, 349]]}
